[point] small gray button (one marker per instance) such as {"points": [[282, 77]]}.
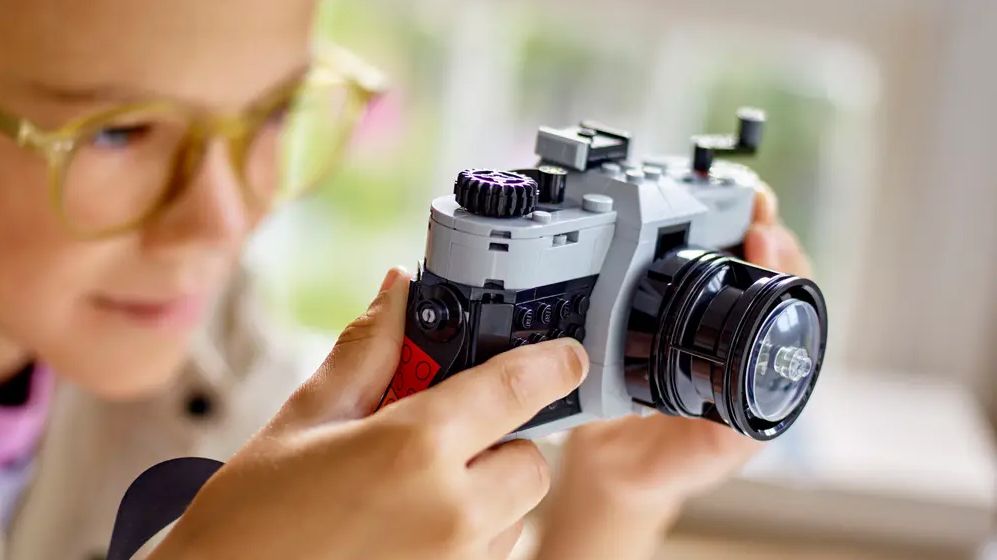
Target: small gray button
{"points": [[661, 162], [611, 168], [652, 173], [541, 217], [635, 176], [598, 203]]}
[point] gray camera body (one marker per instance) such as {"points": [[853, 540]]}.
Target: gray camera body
{"points": [[568, 252]]}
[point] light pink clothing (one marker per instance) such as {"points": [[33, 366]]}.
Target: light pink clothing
{"points": [[22, 426]]}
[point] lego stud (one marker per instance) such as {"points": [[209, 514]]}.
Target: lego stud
{"points": [[635, 176], [581, 304], [611, 168], [577, 332], [597, 203], [544, 313], [541, 217], [652, 173], [562, 309], [661, 162], [793, 363], [524, 318]]}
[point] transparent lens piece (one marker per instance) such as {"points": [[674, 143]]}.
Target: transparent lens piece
{"points": [[781, 365], [299, 143], [121, 168], [793, 363], [317, 128]]}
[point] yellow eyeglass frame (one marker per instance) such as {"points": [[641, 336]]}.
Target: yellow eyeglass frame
{"points": [[334, 66]]}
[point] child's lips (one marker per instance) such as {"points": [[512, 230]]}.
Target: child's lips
{"points": [[176, 312]]}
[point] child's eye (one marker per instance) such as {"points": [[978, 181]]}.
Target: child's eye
{"points": [[278, 115], [119, 136]]}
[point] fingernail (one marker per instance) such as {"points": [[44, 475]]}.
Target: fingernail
{"points": [[580, 353], [392, 277], [769, 249], [758, 247], [766, 205]]}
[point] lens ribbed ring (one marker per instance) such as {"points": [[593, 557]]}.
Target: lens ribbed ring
{"points": [[697, 334]]}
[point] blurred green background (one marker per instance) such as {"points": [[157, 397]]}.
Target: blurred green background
{"points": [[550, 69]]}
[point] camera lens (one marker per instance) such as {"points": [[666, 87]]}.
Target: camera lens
{"points": [[782, 360], [715, 337]]}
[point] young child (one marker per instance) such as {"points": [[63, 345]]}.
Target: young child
{"points": [[137, 153]]}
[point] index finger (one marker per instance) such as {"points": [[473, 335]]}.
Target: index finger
{"points": [[484, 403], [766, 210]]}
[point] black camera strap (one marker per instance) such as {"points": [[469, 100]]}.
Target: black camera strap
{"points": [[158, 497]]}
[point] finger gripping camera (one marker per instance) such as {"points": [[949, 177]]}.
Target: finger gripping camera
{"points": [[634, 259]]}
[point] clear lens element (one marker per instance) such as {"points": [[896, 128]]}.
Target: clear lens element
{"points": [[782, 360], [299, 144], [793, 363], [121, 170]]}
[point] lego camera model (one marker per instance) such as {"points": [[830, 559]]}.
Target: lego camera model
{"points": [[634, 260]]}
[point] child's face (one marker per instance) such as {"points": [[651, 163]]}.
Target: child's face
{"points": [[115, 315]]}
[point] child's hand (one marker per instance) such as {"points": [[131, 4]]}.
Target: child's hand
{"points": [[623, 479], [419, 479], [769, 243]]}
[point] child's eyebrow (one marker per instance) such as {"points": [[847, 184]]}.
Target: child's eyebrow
{"points": [[102, 93], [75, 94]]}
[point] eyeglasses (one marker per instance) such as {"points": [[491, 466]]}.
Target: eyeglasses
{"points": [[113, 171]]}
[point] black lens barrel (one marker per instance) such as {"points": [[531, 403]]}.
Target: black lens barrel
{"points": [[694, 321]]}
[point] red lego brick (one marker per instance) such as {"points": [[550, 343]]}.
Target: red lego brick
{"points": [[415, 372]]}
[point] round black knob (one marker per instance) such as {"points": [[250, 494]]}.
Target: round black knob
{"points": [[751, 123], [438, 312], [552, 181], [431, 314], [496, 194]]}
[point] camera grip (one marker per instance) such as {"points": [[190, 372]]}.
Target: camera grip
{"points": [[416, 370], [434, 334]]}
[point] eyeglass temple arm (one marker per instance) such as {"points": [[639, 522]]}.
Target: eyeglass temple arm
{"points": [[370, 80], [11, 126]]}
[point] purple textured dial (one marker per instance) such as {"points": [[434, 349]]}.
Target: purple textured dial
{"points": [[494, 193]]}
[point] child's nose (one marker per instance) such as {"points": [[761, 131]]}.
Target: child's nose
{"points": [[210, 208]]}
